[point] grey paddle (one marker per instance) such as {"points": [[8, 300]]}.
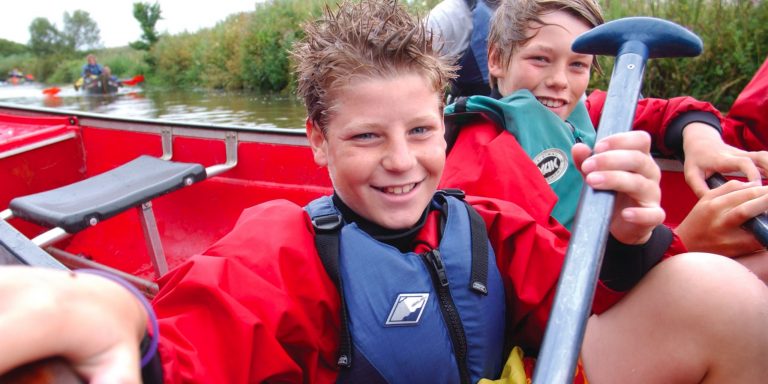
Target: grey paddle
{"points": [[633, 41]]}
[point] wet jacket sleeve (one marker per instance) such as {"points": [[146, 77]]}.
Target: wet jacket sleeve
{"points": [[255, 307], [530, 257], [487, 161], [662, 119], [747, 121]]}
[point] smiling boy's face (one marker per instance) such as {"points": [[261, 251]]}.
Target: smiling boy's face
{"points": [[384, 147], [546, 66]]}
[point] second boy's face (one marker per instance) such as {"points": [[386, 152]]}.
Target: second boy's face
{"points": [[384, 148], [546, 66]]}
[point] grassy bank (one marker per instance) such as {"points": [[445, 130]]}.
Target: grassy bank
{"points": [[249, 51], [735, 36]]}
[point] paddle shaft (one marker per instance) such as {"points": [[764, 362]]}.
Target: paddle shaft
{"points": [[576, 287], [757, 225]]}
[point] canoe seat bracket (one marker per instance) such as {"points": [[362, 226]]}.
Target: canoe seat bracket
{"points": [[166, 137], [230, 142], [74, 207]]}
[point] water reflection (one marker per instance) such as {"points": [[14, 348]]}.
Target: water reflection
{"points": [[232, 108]]}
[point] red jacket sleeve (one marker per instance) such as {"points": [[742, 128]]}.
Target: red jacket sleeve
{"points": [[653, 115], [488, 161], [257, 306], [748, 118], [530, 256]]}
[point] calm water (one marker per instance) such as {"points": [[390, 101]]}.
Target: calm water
{"points": [[203, 106]]}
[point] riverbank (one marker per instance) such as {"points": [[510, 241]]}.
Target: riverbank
{"points": [[248, 51]]}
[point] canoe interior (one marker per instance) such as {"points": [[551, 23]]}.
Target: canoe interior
{"points": [[270, 166], [44, 149]]}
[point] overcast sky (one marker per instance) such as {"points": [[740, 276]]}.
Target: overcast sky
{"points": [[115, 17]]}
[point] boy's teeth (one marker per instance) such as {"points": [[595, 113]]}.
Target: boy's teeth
{"points": [[551, 103], [400, 190]]}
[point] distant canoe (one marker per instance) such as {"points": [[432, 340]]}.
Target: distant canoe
{"points": [[100, 85]]}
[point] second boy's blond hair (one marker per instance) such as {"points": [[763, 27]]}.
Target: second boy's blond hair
{"points": [[513, 18], [369, 39]]}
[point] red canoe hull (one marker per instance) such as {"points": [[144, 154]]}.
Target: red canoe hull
{"points": [[45, 149]]}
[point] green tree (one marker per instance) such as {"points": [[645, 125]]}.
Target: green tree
{"points": [[147, 15], [44, 38], [80, 31], [8, 48]]}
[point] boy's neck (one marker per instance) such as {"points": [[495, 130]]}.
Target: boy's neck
{"points": [[401, 239]]}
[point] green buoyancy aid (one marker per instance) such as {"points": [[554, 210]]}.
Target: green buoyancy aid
{"points": [[547, 140]]}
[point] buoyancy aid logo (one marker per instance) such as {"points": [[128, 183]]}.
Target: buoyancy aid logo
{"points": [[552, 163], [407, 309]]}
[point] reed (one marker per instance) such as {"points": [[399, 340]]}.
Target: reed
{"points": [[735, 36]]}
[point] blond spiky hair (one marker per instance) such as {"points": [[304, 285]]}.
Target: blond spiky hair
{"points": [[363, 40]]}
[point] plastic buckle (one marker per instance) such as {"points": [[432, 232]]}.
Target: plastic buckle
{"points": [[327, 223], [455, 192]]}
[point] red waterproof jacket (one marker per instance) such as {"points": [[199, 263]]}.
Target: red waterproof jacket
{"points": [[654, 116], [258, 305], [746, 125], [485, 160]]}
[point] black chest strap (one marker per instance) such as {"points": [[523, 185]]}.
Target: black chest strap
{"points": [[327, 229]]}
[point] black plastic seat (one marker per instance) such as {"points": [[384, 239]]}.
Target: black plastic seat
{"points": [[79, 205]]}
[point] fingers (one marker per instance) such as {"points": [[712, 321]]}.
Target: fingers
{"points": [[760, 159], [633, 140], [119, 366], [644, 216], [97, 324], [739, 201], [723, 159], [628, 152], [624, 171], [622, 163], [744, 165]]}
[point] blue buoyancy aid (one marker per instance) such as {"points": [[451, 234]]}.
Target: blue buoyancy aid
{"points": [[473, 72], [418, 318]]}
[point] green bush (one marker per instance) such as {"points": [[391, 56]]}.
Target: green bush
{"points": [[25, 62], [249, 51], [275, 26], [735, 36]]}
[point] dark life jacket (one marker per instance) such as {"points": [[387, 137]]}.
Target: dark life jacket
{"points": [[435, 317], [473, 75]]}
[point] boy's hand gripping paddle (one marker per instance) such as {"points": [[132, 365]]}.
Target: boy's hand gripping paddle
{"points": [[633, 41], [757, 225]]}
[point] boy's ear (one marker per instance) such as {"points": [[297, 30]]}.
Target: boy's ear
{"points": [[317, 143], [494, 64]]}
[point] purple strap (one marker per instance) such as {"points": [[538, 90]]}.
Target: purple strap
{"points": [[152, 350]]}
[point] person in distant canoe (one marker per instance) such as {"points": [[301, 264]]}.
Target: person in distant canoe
{"points": [[15, 72], [15, 76], [107, 75], [90, 68]]}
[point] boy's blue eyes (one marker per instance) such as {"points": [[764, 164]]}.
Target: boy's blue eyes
{"points": [[364, 136], [370, 135], [544, 59]]}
